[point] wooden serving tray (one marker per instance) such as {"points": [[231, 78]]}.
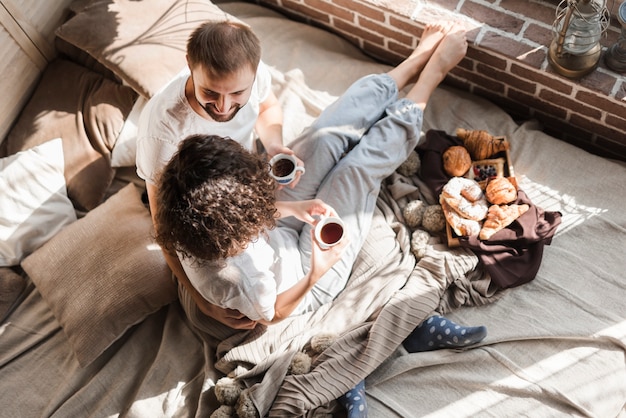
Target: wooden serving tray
{"points": [[498, 164]]}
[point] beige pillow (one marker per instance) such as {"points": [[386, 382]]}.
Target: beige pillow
{"points": [[103, 274], [142, 42]]}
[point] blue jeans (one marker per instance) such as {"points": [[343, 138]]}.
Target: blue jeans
{"points": [[348, 151]]}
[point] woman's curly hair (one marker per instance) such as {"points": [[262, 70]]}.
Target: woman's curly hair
{"points": [[213, 198]]}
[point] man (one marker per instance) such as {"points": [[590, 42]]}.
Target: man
{"points": [[225, 90]]}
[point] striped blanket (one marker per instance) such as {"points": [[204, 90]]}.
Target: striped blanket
{"points": [[388, 294]]}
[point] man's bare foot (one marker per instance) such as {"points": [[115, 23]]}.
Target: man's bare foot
{"points": [[409, 69], [448, 53]]}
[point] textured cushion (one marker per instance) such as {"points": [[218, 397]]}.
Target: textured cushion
{"points": [[87, 111], [143, 42], [103, 273], [33, 201]]}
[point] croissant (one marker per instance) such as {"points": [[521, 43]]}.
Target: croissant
{"points": [[481, 144], [500, 191], [456, 161], [499, 217]]}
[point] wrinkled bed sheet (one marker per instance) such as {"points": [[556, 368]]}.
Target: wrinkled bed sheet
{"points": [[555, 346]]}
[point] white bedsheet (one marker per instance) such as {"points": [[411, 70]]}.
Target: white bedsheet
{"points": [[555, 346]]}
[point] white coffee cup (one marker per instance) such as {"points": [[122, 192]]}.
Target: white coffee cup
{"points": [[284, 167], [329, 231]]}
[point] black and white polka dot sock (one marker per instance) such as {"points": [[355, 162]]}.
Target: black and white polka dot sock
{"points": [[439, 332]]}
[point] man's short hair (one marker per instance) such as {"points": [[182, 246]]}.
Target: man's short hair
{"points": [[224, 47]]}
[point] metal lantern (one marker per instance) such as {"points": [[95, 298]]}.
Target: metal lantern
{"points": [[615, 57], [578, 28]]}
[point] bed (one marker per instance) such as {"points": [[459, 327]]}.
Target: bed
{"points": [[91, 321]]}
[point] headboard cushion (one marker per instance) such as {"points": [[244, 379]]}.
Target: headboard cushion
{"points": [[142, 42], [87, 111], [72, 53]]}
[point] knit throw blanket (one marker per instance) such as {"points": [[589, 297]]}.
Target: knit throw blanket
{"points": [[388, 295]]}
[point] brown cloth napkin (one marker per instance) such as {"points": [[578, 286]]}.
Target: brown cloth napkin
{"points": [[511, 256]]}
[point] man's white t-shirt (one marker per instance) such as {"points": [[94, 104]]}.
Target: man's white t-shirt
{"points": [[250, 282], [168, 118]]}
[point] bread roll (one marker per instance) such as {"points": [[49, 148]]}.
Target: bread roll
{"points": [[456, 161]]}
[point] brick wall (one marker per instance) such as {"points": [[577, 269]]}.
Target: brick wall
{"points": [[506, 62]]}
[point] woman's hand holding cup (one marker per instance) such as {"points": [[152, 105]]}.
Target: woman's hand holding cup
{"points": [[329, 231]]}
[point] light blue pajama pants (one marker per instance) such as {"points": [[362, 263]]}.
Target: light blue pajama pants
{"points": [[348, 151]]}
